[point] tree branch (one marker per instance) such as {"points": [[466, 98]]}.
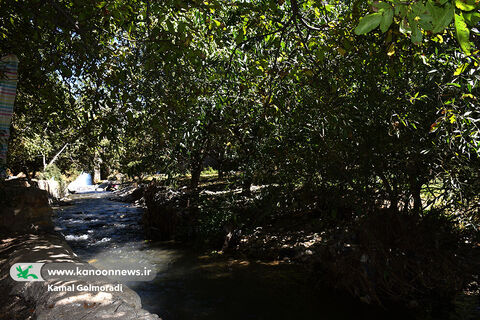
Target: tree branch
{"points": [[298, 16], [57, 155]]}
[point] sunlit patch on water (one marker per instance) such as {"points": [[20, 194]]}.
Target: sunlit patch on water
{"points": [[76, 238], [74, 221], [120, 225], [103, 240]]}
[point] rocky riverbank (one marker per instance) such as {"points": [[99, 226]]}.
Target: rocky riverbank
{"points": [[28, 236]]}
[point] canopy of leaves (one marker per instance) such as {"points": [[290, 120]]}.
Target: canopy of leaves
{"points": [[313, 93]]}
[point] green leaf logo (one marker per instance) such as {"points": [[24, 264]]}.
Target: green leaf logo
{"points": [[24, 273]]}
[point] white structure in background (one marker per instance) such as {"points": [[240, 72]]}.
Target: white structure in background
{"points": [[52, 187], [82, 183]]}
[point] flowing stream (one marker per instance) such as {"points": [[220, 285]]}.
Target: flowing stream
{"points": [[188, 285]]}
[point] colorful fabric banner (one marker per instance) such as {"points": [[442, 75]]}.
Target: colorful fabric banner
{"points": [[8, 87]]}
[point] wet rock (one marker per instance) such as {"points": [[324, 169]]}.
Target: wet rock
{"points": [[72, 305], [130, 193]]}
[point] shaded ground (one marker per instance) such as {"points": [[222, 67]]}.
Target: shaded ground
{"points": [[382, 257]]}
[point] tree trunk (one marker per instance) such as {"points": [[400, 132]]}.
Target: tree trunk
{"points": [[97, 166], [195, 171], [221, 171], [247, 183], [417, 199]]}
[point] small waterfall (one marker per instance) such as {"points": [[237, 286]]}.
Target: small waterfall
{"points": [[82, 183]]}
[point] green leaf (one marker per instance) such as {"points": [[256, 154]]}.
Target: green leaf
{"points": [[471, 18], [417, 35], [240, 37], [418, 8], [387, 19], [454, 85], [368, 23], [170, 27], [382, 5], [442, 16], [401, 9], [461, 69], [463, 33], [181, 27], [466, 5]]}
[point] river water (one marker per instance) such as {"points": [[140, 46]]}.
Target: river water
{"points": [[189, 285]]}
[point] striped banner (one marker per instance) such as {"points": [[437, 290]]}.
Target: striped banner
{"points": [[8, 87]]}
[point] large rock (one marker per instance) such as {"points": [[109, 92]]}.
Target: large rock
{"points": [[23, 209], [53, 188], [39, 303]]}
